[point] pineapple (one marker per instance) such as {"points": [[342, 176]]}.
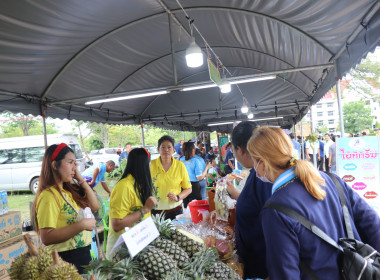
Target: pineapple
{"points": [[127, 269], [173, 250], [155, 264], [177, 275], [204, 265], [221, 271], [186, 243], [168, 231]]}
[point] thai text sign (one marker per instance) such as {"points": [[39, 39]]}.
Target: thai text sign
{"points": [[358, 164]]}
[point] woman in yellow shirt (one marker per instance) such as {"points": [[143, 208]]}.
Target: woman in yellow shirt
{"points": [[57, 204], [131, 198], [171, 183]]}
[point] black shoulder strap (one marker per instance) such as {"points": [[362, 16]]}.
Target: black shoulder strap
{"points": [[303, 221], [343, 202]]}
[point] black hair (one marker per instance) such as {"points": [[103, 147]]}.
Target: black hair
{"points": [[292, 136], [187, 150], [241, 134], [138, 167], [165, 138], [199, 142], [128, 144]]}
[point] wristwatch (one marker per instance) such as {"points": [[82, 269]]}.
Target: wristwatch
{"points": [[178, 198]]}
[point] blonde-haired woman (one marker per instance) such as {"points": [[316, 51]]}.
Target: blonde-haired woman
{"points": [[299, 186]]}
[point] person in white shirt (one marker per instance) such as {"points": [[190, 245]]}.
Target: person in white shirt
{"points": [[312, 149], [328, 143]]}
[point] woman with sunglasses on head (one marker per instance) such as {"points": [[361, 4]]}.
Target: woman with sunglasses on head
{"points": [[131, 198], [302, 188], [57, 203]]}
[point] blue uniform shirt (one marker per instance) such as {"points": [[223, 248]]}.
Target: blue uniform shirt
{"points": [[102, 173], [322, 149], [287, 241], [123, 155], [297, 148], [178, 149], [249, 234], [229, 156], [193, 167]]}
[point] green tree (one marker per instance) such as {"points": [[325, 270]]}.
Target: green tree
{"points": [[323, 129], [365, 78], [356, 117], [17, 125]]}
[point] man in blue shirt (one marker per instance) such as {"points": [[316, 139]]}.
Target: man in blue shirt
{"points": [[229, 160], [124, 155], [296, 145], [210, 154], [322, 153], [97, 173], [178, 148]]}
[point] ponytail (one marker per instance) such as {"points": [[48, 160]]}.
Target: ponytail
{"points": [[310, 178]]}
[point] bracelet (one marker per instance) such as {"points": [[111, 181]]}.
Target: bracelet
{"points": [[81, 181], [142, 214], [178, 198]]}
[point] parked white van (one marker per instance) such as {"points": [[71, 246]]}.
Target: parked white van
{"points": [[21, 159]]}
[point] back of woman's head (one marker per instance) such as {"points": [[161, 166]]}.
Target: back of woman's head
{"points": [[187, 150], [138, 167], [273, 146]]}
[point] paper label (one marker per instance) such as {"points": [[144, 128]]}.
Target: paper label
{"points": [[140, 236]]}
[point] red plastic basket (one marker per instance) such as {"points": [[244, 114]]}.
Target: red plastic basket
{"points": [[196, 205]]}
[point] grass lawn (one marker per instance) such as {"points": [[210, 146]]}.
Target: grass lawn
{"points": [[19, 201]]}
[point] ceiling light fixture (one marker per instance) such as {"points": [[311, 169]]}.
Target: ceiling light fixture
{"points": [[254, 79], [194, 56], [250, 115], [256, 120], [225, 86], [244, 109], [141, 95], [199, 87]]}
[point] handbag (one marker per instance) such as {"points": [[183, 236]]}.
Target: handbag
{"points": [[358, 260]]}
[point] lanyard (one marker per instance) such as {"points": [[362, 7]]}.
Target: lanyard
{"points": [[285, 177], [68, 202]]}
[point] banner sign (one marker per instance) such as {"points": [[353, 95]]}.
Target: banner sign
{"points": [[358, 164], [214, 73]]}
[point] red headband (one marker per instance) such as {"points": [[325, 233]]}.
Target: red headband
{"points": [[58, 150], [147, 152]]}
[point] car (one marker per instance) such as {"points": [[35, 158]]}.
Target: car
{"points": [[104, 155]]}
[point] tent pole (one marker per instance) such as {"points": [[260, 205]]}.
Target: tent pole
{"points": [[142, 135], [340, 108], [43, 109], [302, 142]]}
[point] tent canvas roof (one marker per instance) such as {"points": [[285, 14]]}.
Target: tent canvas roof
{"points": [[55, 55]]}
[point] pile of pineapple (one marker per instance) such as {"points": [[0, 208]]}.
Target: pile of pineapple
{"points": [[172, 256], [41, 264]]}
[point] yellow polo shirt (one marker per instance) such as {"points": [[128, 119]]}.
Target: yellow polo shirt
{"points": [[164, 182], [124, 201], [54, 212]]}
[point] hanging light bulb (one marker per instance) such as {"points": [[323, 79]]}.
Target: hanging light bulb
{"points": [[225, 86], [244, 109], [194, 56], [250, 115]]}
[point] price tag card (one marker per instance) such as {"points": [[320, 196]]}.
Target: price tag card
{"points": [[140, 236]]}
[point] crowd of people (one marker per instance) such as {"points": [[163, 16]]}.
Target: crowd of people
{"points": [[269, 243]]}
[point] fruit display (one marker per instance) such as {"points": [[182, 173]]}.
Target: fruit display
{"points": [[41, 264], [175, 255]]}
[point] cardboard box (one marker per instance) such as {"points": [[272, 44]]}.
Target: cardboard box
{"points": [[10, 250], [10, 225]]}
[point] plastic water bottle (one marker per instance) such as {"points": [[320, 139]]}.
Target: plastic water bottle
{"points": [[4, 199]]}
